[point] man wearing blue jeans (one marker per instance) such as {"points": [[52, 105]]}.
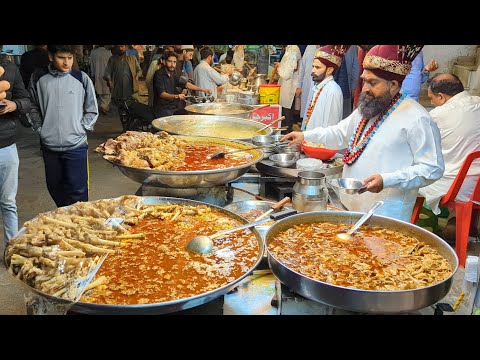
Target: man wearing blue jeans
{"points": [[15, 103], [64, 107]]}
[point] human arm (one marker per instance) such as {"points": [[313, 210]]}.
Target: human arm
{"points": [[35, 116], [217, 78], [191, 86], [138, 69], [335, 136], [428, 165], [160, 85], [431, 66], [108, 74], [20, 100], [90, 106]]}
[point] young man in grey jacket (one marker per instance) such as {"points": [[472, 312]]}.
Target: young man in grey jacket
{"points": [[64, 107]]}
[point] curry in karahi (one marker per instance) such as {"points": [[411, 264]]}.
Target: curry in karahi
{"points": [[147, 261], [164, 152], [374, 259]]}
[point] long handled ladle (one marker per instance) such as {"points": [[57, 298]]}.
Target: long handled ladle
{"points": [[363, 219], [203, 244], [272, 123], [222, 154]]}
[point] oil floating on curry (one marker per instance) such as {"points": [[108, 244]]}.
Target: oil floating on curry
{"points": [[374, 259]]}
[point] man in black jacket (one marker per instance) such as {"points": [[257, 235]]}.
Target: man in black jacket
{"points": [[30, 60], [16, 102]]}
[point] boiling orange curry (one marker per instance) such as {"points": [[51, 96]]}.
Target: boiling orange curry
{"points": [[197, 157], [158, 268], [374, 259]]}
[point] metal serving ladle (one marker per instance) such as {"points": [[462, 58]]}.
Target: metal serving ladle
{"points": [[203, 244], [363, 219]]}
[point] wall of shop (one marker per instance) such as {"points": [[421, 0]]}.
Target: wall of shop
{"points": [[446, 55]]}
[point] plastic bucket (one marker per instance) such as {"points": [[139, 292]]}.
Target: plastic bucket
{"points": [[269, 93]]}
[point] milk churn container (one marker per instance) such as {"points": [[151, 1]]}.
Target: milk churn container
{"points": [[310, 192]]}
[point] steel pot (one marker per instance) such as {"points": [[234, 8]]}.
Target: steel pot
{"points": [[235, 78], [194, 178], [258, 80], [310, 192], [168, 306], [221, 109], [225, 127], [365, 301]]}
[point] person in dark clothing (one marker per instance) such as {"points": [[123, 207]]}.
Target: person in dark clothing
{"points": [[30, 60], [15, 103], [169, 88], [4, 85]]}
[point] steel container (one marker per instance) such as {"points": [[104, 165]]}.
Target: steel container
{"points": [[167, 306], [221, 109], [225, 127], [310, 192], [364, 301], [196, 178]]}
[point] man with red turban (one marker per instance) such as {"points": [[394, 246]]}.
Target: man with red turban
{"points": [[325, 107], [393, 145]]}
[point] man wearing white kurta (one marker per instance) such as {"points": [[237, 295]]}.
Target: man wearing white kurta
{"points": [[325, 107], [205, 76], [396, 156], [288, 72], [458, 117]]}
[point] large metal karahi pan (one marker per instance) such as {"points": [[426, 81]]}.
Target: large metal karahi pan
{"points": [[364, 301], [167, 306], [225, 127], [221, 109], [193, 179]]}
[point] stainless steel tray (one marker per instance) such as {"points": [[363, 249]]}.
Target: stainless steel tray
{"points": [[267, 167]]}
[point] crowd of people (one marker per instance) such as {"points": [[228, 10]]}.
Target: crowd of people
{"points": [[360, 99]]}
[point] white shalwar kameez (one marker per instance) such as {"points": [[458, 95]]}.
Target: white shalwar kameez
{"points": [[459, 123], [328, 108], [405, 151]]}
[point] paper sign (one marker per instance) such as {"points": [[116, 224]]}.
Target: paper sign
{"points": [[267, 114]]}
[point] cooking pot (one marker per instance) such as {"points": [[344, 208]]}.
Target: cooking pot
{"points": [[221, 109], [166, 306], [258, 80], [235, 78], [360, 300]]}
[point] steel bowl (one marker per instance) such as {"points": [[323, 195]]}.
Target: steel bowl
{"points": [[225, 127], [221, 109], [193, 179], [348, 186], [284, 160], [167, 306], [364, 301]]}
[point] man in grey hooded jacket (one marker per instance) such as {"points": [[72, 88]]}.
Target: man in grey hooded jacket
{"points": [[64, 107]]}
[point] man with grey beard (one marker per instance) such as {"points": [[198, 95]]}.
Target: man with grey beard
{"points": [[393, 145]]}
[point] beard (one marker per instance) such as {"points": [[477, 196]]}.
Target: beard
{"points": [[319, 78], [371, 106]]}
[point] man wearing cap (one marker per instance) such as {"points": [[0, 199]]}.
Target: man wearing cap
{"points": [[393, 144], [326, 103], [184, 63]]}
